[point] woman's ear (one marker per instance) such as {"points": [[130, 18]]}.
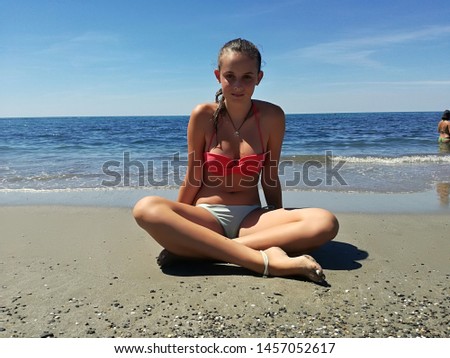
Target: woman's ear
{"points": [[217, 74], [260, 77]]}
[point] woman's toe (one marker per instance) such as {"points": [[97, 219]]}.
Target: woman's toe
{"points": [[316, 273]]}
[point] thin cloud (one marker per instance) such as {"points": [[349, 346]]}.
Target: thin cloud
{"points": [[393, 83], [360, 51], [86, 41], [86, 50]]}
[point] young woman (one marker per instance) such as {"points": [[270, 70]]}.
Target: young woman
{"points": [[444, 128], [232, 145]]}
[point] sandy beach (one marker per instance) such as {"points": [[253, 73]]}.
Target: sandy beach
{"points": [[71, 271]]}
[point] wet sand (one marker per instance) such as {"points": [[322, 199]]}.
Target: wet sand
{"points": [[91, 272]]}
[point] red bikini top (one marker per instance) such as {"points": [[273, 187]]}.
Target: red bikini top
{"points": [[222, 165]]}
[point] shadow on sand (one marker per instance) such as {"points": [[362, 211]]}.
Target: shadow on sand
{"points": [[334, 255]]}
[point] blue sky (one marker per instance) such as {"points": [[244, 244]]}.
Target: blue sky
{"points": [[137, 57]]}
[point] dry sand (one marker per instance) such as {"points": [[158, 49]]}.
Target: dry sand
{"points": [[91, 272]]}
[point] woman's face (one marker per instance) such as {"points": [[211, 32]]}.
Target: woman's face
{"points": [[238, 75]]}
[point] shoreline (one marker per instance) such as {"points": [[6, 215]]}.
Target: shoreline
{"points": [[431, 201], [71, 271]]}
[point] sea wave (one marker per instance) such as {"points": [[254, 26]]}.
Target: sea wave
{"points": [[369, 159], [406, 159]]}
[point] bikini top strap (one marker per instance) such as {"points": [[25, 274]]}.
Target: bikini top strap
{"points": [[256, 112], [210, 140]]}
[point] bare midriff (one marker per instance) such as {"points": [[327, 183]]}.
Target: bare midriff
{"points": [[229, 190]]}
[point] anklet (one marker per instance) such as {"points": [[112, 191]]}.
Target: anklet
{"points": [[266, 263]]}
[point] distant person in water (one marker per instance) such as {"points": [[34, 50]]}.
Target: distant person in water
{"points": [[233, 144], [444, 128]]}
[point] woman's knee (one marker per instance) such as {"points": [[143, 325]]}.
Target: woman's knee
{"points": [[332, 225], [325, 223], [148, 209]]}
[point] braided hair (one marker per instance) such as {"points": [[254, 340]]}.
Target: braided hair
{"points": [[236, 45]]}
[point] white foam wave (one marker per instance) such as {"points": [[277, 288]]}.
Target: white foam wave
{"points": [[407, 159]]}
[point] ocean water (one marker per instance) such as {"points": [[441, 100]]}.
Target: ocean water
{"points": [[349, 153]]}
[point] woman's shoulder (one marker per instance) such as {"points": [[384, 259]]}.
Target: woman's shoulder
{"points": [[272, 118], [268, 107], [202, 113], [270, 113], [204, 110], [443, 124]]}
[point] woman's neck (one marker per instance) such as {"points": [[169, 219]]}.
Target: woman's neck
{"points": [[238, 112]]}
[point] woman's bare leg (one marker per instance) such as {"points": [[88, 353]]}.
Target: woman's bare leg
{"points": [[190, 231], [295, 231]]}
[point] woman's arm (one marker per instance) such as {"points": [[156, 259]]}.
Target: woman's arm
{"points": [[195, 144], [270, 181]]}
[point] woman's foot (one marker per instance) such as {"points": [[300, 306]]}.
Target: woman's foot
{"points": [[280, 264]]}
